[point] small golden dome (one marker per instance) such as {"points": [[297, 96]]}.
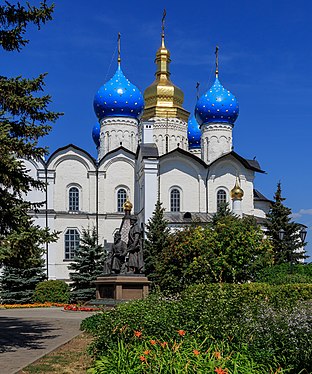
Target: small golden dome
{"points": [[127, 207], [162, 98], [237, 193]]}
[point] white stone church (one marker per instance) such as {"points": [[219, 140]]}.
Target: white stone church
{"points": [[148, 147]]}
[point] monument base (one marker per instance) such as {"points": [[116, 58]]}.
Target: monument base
{"points": [[124, 287]]}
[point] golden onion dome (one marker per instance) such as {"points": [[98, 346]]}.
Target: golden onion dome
{"points": [[127, 207], [237, 193], [163, 98]]}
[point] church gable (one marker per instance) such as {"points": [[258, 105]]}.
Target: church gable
{"points": [[116, 181], [221, 179], [182, 182], [73, 173]]}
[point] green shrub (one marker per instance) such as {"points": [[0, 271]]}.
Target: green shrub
{"points": [[231, 251], [285, 333], [275, 321], [253, 315], [285, 274], [154, 315], [54, 291]]}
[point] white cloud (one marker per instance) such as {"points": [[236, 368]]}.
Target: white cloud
{"points": [[302, 212]]}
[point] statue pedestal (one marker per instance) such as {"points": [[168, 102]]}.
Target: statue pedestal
{"points": [[114, 288]]}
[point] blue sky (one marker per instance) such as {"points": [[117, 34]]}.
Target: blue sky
{"points": [[264, 59]]}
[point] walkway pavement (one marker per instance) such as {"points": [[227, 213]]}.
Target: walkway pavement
{"points": [[28, 334]]}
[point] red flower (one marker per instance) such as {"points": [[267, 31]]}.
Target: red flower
{"points": [[137, 333], [147, 352], [181, 332], [217, 355], [143, 358], [221, 371], [153, 342], [196, 352]]}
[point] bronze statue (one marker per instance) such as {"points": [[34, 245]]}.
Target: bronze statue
{"points": [[135, 261], [126, 258], [115, 261]]}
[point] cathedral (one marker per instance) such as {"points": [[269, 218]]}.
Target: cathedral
{"points": [[148, 147]]}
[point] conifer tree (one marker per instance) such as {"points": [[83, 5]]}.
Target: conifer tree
{"points": [[87, 266], [157, 233], [223, 211], [290, 248], [24, 119]]}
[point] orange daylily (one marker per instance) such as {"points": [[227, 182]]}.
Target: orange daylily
{"points": [[181, 332], [137, 333], [221, 371], [217, 355], [196, 352]]}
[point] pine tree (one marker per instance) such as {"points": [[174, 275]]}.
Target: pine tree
{"points": [[24, 118], [290, 248], [87, 266], [157, 233]]}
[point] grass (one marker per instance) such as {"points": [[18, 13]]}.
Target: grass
{"points": [[70, 358]]}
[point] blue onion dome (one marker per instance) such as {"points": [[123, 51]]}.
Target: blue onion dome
{"points": [[96, 134], [118, 98], [217, 105], [193, 133]]}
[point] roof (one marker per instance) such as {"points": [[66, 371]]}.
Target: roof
{"points": [[75, 148], [187, 217], [249, 164], [121, 148], [259, 197], [148, 150], [185, 153]]}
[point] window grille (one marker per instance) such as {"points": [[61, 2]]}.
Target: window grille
{"points": [[175, 200], [121, 199], [73, 199], [72, 238]]}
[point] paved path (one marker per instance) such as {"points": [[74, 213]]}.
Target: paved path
{"points": [[28, 334]]}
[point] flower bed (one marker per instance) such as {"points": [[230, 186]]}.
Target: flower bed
{"points": [[77, 308], [34, 305]]}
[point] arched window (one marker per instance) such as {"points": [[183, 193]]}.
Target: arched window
{"points": [[72, 238], [221, 198], [73, 199], [175, 200], [121, 199]]}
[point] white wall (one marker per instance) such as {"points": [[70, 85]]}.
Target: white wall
{"points": [[222, 175], [181, 172]]}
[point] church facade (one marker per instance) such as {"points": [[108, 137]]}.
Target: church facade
{"points": [[149, 148]]}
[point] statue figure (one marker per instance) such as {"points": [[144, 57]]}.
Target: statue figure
{"points": [[135, 261], [119, 251], [115, 261]]}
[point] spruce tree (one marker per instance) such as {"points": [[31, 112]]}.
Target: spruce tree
{"points": [[22, 252], [24, 119], [88, 264], [290, 248], [223, 211], [157, 233]]}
